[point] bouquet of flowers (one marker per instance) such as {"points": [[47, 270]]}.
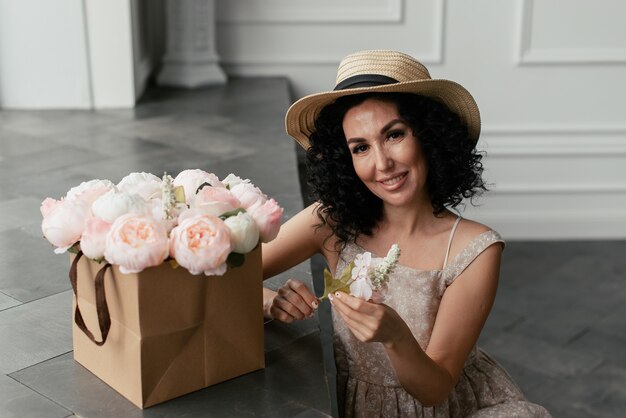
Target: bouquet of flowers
{"points": [[195, 220], [364, 277]]}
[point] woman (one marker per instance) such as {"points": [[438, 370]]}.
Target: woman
{"points": [[390, 151]]}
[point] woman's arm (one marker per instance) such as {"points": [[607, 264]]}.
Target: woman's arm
{"points": [[297, 240], [429, 375]]}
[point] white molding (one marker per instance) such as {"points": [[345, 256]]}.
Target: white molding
{"points": [[564, 129], [553, 225], [558, 142], [558, 188], [529, 56], [307, 11], [305, 58]]}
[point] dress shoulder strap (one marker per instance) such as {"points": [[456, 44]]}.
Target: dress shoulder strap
{"points": [[456, 223], [476, 246]]}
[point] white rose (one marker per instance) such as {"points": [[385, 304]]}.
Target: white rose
{"points": [[113, 204], [146, 185], [244, 233], [232, 180]]}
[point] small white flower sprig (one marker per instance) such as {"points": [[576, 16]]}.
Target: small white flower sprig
{"points": [[382, 271], [172, 195], [364, 277]]}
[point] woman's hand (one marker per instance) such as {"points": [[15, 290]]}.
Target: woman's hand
{"points": [[292, 301], [370, 321]]}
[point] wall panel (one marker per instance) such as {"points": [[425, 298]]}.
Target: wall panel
{"points": [[548, 80]]}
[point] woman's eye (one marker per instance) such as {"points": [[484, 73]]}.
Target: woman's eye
{"points": [[395, 134], [359, 148]]}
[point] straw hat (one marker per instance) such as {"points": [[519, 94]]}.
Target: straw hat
{"points": [[382, 71]]}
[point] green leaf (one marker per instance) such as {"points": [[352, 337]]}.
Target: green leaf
{"points": [[179, 194], [235, 259], [230, 213], [339, 284], [74, 248]]}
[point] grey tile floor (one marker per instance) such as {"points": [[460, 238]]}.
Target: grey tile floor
{"points": [[558, 325]]}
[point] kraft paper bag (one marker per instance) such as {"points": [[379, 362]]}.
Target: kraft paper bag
{"points": [[170, 332]]}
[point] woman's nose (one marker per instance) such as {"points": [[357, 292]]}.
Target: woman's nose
{"points": [[383, 160]]}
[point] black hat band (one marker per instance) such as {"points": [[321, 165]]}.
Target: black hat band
{"points": [[364, 80]]}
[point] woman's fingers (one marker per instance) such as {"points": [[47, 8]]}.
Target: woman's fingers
{"points": [[363, 318], [303, 291], [357, 314], [293, 301]]}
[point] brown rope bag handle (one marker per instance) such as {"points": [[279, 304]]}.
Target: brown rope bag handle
{"points": [[104, 319]]}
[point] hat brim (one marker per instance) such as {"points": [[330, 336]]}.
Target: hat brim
{"points": [[300, 118]]}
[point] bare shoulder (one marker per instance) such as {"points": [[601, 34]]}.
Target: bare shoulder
{"points": [[466, 231]]}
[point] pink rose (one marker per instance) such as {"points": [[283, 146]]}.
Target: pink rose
{"points": [[93, 240], [267, 217], [136, 242], [215, 194], [249, 195], [63, 221], [192, 179], [201, 244]]}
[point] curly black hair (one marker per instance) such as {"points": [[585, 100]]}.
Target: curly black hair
{"points": [[348, 207]]}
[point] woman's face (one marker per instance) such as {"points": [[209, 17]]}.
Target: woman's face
{"points": [[386, 155]]}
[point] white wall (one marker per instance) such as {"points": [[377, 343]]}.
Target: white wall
{"points": [[78, 54], [549, 81], [43, 61]]}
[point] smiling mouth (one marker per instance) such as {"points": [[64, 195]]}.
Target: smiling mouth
{"points": [[393, 180]]}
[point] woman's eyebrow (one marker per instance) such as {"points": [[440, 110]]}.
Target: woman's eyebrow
{"points": [[390, 124], [356, 140]]}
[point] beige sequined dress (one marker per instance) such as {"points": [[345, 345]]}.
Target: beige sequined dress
{"points": [[367, 384]]}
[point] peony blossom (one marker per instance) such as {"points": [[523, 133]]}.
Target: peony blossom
{"points": [[267, 217], [214, 209], [249, 195], [232, 180], [114, 204], [146, 185], [215, 194], [244, 232], [93, 240], [201, 244], [63, 221], [192, 179], [157, 212], [136, 242], [48, 205], [143, 220], [89, 191]]}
